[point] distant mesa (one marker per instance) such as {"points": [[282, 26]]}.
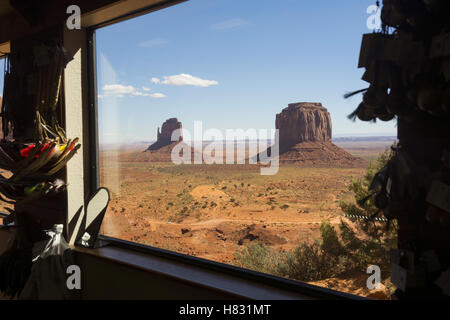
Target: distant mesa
{"points": [[301, 122], [161, 150], [305, 132], [164, 138]]}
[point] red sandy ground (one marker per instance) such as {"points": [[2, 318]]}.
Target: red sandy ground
{"points": [[213, 211]]}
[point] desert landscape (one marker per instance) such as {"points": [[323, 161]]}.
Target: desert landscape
{"points": [[212, 211]]}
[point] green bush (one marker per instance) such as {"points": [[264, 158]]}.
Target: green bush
{"points": [[309, 263], [260, 258], [377, 238], [306, 262]]}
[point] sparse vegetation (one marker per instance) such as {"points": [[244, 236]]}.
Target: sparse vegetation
{"points": [[377, 238], [325, 258], [215, 197], [333, 254], [260, 258], [306, 262]]}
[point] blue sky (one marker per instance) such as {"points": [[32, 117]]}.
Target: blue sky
{"points": [[231, 64]]}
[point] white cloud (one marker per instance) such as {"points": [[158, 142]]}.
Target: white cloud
{"points": [[158, 95], [153, 43], [153, 95], [155, 80], [229, 24], [122, 90], [118, 89], [184, 79]]}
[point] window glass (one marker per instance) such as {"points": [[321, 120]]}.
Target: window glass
{"points": [[2, 77], [2, 66], [190, 97], [2, 172]]}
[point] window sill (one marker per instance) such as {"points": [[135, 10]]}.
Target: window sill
{"points": [[230, 281]]}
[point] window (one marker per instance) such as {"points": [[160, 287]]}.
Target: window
{"points": [[189, 100], [2, 76], [2, 172]]}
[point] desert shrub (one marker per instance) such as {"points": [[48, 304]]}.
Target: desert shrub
{"points": [[330, 243], [259, 257], [376, 238], [306, 262], [326, 257]]}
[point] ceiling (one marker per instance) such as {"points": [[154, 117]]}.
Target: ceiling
{"points": [[5, 7], [22, 19]]}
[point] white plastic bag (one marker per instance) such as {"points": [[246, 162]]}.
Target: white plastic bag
{"points": [[48, 279]]}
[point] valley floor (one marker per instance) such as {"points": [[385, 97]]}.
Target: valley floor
{"points": [[212, 211]]}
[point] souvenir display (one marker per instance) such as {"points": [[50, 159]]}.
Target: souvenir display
{"points": [[407, 66]]}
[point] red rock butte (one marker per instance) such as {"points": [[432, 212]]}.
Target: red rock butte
{"points": [[161, 150], [303, 121], [305, 132], [164, 138]]}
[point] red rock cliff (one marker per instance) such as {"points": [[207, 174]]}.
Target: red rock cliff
{"points": [[165, 135], [301, 122]]}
